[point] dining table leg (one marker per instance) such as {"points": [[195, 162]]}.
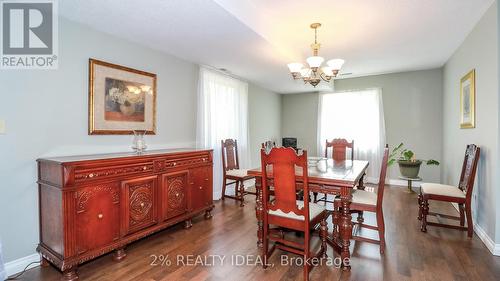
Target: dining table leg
{"points": [[345, 227], [258, 211]]}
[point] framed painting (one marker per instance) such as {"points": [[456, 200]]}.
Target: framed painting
{"points": [[121, 99], [468, 100]]}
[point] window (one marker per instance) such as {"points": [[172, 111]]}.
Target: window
{"points": [[222, 114], [354, 115]]}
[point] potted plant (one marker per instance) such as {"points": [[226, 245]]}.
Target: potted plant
{"points": [[409, 166]]}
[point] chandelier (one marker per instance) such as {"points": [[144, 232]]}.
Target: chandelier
{"points": [[315, 73]]}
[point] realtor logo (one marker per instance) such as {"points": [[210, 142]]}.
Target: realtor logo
{"points": [[29, 34]]}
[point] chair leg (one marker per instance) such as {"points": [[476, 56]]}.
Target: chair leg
{"points": [[315, 194], [470, 225], [462, 214], [265, 245], [306, 268], [323, 235], [360, 218], [420, 207], [223, 188], [381, 230], [242, 194], [425, 211]]}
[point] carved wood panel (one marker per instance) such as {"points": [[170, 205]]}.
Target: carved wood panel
{"points": [[97, 216], [201, 188], [174, 187], [230, 154], [139, 203]]}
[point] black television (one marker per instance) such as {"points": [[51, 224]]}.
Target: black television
{"points": [[289, 142]]}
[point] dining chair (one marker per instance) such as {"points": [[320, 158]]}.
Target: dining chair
{"points": [[461, 195], [285, 211], [339, 153], [232, 174], [339, 149], [370, 202]]}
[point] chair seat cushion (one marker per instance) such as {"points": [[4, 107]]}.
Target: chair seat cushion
{"points": [[314, 211], [364, 197], [442, 190], [240, 173]]}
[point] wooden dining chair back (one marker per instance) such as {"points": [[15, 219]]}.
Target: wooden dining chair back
{"points": [[231, 172], [280, 167], [469, 168], [462, 195], [370, 202], [339, 149], [230, 160]]}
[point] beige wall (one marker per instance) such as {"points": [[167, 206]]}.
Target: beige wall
{"points": [[479, 51], [412, 108], [264, 118]]}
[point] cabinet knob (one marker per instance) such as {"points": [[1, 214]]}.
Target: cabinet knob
{"points": [[142, 204], [100, 216], [174, 164], [177, 195], [201, 187], [144, 168], [91, 175]]}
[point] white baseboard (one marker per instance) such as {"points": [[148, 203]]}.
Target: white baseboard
{"points": [[18, 265], [488, 242]]}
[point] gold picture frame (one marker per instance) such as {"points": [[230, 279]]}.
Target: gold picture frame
{"points": [[121, 99], [468, 100]]}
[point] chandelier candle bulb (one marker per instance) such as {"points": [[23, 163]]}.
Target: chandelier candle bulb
{"points": [[315, 73]]}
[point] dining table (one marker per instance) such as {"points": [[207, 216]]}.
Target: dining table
{"points": [[327, 176]]}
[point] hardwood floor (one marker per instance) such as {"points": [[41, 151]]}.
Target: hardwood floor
{"points": [[439, 254]]}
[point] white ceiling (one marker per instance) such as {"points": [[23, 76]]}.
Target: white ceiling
{"points": [[255, 39]]}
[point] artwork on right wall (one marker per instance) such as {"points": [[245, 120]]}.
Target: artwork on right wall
{"points": [[468, 100]]}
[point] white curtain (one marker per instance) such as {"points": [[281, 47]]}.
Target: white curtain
{"points": [[354, 115], [222, 114]]}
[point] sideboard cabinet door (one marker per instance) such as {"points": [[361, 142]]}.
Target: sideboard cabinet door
{"points": [[97, 216], [201, 187], [139, 204], [174, 193]]}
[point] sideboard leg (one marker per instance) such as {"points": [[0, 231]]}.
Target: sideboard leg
{"points": [[188, 223], [208, 214], [44, 262], [70, 274], [119, 254]]}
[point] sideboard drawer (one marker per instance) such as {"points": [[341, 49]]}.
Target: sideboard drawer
{"points": [[162, 165], [87, 174]]}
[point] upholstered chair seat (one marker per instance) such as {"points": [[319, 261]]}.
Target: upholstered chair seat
{"points": [[442, 190], [364, 197], [240, 173], [314, 211]]}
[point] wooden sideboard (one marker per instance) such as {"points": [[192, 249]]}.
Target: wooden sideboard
{"points": [[95, 204]]}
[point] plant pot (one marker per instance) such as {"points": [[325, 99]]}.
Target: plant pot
{"points": [[409, 169]]}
